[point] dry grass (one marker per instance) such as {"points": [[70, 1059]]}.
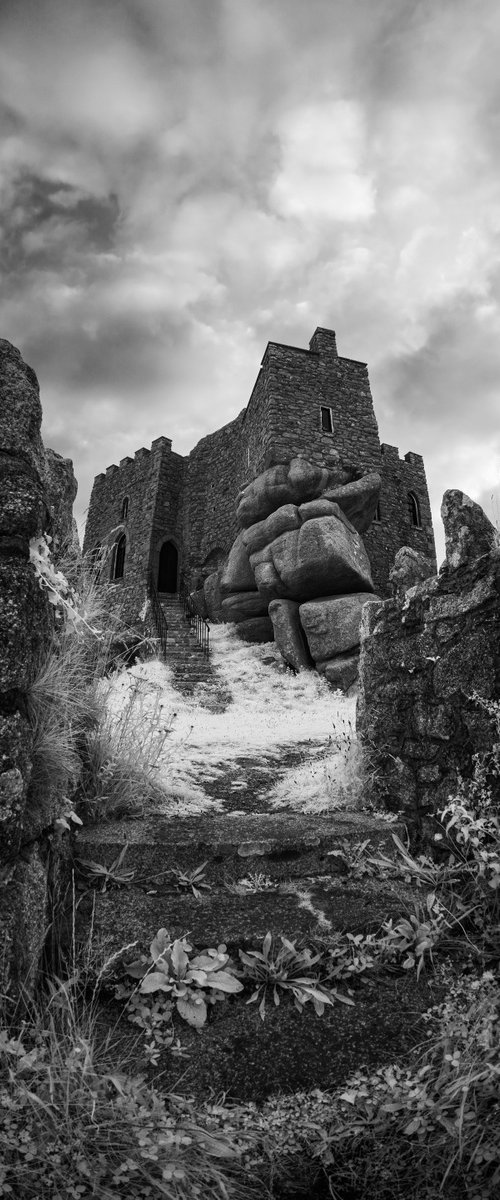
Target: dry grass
{"points": [[122, 756], [76, 742]]}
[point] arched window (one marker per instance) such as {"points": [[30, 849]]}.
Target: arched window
{"points": [[124, 508], [119, 557], [414, 510]]}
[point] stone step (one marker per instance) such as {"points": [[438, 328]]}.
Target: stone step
{"points": [[237, 1052], [280, 845], [303, 909]]}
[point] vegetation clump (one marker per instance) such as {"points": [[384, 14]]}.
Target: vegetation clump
{"points": [[74, 1126], [107, 761]]}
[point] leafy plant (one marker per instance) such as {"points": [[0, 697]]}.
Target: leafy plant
{"points": [[114, 875], [192, 983], [350, 954], [193, 881], [288, 970], [414, 936]]}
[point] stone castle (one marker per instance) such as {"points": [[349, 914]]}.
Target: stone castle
{"points": [[171, 518]]}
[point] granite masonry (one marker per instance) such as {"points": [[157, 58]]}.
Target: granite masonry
{"points": [[169, 518]]}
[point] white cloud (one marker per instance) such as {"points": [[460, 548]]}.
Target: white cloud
{"points": [[323, 172]]}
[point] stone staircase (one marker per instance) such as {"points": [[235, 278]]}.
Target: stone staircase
{"points": [[280, 872], [190, 666]]}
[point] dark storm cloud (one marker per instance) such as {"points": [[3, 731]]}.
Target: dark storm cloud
{"points": [[48, 222], [181, 182]]}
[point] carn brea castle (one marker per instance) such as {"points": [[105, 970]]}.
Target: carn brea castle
{"points": [[169, 519]]}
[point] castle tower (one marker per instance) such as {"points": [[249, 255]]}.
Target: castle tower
{"points": [[163, 514]]}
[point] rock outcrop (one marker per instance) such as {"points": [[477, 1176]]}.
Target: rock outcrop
{"points": [[26, 631], [300, 545], [323, 556], [430, 667], [289, 634], [409, 568], [60, 489], [332, 623]]}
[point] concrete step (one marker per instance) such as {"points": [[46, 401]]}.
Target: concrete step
{"points": [[298, 910], [280, 845]]}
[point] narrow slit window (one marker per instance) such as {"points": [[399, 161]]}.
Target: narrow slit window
{"points": [[414, 510], [377, 516], [326, 420], [119, 557], [124, 508]]}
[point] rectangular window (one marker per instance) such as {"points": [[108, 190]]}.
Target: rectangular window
{"points": [[326, 420]]}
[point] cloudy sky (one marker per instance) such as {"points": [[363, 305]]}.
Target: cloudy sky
{"points": [[184, 180]]}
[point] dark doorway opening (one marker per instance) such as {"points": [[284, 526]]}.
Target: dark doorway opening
{"points": [[167, 568]]}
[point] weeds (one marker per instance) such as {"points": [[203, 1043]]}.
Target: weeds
{"points": [[193, 881], [191, 983], [113, 876], [73, 1126], [252, 884], [287, 970]]}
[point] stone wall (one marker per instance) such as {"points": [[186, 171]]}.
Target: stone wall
{"points": [[27, 855], [425, 655], [215, 471]]}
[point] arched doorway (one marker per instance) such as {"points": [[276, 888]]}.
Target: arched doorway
{"points": [[167, 568]]}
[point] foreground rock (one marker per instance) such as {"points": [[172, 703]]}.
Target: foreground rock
{"points": [[29, 802], [430, 668], [468, 532]]}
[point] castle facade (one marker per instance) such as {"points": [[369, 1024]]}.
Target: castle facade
{"points": [[168, 518]]}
